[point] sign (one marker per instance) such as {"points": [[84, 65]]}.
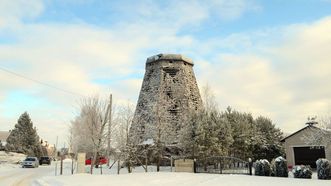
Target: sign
{"points": [[184, 165]]}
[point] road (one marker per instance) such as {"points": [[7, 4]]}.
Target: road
{"points": [[17, 176]]}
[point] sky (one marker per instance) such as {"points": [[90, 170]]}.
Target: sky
{"points": [[269, 58]]}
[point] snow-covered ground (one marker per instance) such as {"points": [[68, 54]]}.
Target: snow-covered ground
{"points": [[172, 178], [13, 174], [11, 157], [166, 178]]}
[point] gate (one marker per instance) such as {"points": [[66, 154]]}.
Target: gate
{"points": [[222, 165]]}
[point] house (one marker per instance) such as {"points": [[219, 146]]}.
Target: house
{"points": [[3, 137], [300, 151]]}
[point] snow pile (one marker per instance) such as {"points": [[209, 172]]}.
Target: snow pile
{"points": [[301, 171], [172, 179], [262, 168], [279, 167], [323, 169], [11, 157]]}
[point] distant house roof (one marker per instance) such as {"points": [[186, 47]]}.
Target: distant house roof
{"points": [[4, 135], [308, 126]]}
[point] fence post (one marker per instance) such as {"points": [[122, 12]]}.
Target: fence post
{"points": [[250, 163], [170, 163], [118, 166], [221, 165], [61, 165], [195, 165]]}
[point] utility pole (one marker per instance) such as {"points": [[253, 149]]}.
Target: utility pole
{"points": [[57, 138], [109, 128]]}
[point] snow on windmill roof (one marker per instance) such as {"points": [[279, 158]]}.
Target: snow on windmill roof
{"points": [[173, 57]]}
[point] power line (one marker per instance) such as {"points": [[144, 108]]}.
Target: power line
{"points": [[40, 82]]}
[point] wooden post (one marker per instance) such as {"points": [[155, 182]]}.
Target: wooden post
{"points": [[72, 165], [91, 169], [221, 166], [56, 155], [118, 166], [170, 163], [61, 166]]}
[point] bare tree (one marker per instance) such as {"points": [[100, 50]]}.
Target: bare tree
{"points": [[124, 121], [319, 132], [78, 130], [88, 130]]}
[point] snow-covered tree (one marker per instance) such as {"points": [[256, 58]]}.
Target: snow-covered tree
{"points": [[188, 135], [243, 133], [124, 120], [24, 138], [210, 132], [269, 145], [78, 132], [319, 132], [88, 130], [253, 138], [207, 132]]}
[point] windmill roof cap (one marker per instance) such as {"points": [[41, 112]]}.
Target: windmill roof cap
{"points": [[170, 57]]}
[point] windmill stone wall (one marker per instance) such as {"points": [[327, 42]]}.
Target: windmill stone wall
{"points": [[168, 96]]}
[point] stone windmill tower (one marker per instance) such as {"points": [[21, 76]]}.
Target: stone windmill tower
{"points": [[168, 96]]}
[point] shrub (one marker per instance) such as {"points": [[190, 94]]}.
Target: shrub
{"points": [[302, 171], [323, 169], [262, 168], [279, 167]]}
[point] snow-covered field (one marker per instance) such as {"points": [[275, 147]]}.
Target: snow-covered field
{"points": [[13, 174], [171, 178], [166, 178]]}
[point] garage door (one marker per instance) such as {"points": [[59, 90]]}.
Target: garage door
{"points": [[308, 155]]}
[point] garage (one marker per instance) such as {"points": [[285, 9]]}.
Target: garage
{"points": [[308, 155], [301, 152]]}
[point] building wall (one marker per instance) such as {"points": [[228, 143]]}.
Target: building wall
{"points": [[169, 93], [297, 140]]}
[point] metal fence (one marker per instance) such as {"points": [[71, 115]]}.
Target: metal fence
{"points": [[222, 165]]}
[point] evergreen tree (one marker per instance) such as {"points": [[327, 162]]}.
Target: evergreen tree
{"points": [[270, 136], [24, 137], [244, 137]]}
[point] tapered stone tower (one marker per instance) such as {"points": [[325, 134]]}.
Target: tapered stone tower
{"points": [[168, 96]]}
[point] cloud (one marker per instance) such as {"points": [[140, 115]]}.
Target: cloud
{"points": [[71, 57], [281, 73], [285, 78], [182, 14], [12, 12], [229, 10]]}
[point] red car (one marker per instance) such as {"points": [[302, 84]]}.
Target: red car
{"points": [[102, 160]]}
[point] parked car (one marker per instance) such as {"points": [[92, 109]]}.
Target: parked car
{"points": [[102, 160], [30, 162], [45, 160]]}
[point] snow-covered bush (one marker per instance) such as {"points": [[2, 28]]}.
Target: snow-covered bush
{"points": [[279, 167], [301, 171], [323, 169], [262, 168]]}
